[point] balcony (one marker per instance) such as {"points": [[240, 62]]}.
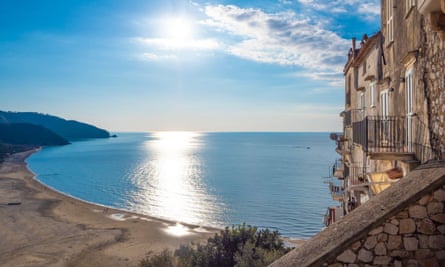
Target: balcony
{"points": [[338, 169], [340, 141], [357, 178], [337, 192], [428, 6], [434, 10], [384, 137]]}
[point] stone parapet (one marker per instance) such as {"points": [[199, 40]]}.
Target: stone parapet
{"points": [[402, 226]]}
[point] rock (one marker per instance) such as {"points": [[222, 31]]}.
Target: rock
{"points": [[407, 226], [382, 237], [439, 195], [424, 200], [394, 242], [365, 255], [436, 242], [426, 226], [440, 218], [347, 257], [376, 231], [423, 253], [417, 211], [370, 242], [435, 207], [440, 255], [410, 243], [382, 260], [390, 229], [380, 249]]}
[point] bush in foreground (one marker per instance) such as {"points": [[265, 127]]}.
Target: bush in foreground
{"points": [[240, 246]]}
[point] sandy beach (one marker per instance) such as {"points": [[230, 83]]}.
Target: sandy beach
{"points": [[47, 228]]}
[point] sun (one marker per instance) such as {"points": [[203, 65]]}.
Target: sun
{"points": [[178, 29]]}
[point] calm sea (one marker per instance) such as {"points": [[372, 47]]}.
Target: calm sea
{"points": [[213, 179]]}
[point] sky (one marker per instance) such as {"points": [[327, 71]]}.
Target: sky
{"points": [[181, 65]]}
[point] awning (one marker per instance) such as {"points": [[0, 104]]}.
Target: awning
{"points": [[379, 181]]}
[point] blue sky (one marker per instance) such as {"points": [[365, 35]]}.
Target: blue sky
{"points": [[181, 65]]}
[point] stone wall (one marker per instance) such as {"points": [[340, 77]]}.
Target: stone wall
{"points": [[413, 237], [402, 226], [433, 62]]}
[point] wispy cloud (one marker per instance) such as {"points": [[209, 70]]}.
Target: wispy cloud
{"points": [[333, 78], [281, 38], [361, 7]]}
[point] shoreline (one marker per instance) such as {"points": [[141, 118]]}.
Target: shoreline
{"points": [[50, 228]]}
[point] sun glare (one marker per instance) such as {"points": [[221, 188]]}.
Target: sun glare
{"points": [[178, 29]]}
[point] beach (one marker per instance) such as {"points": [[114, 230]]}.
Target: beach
{"points": [[42, 227]]}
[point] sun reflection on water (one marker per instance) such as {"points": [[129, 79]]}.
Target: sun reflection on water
{"points": [[170, 182]]}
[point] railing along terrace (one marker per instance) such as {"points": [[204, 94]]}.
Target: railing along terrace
{"points": [[338, 166], [381, 134], [336, 191], [394, 134], [357, 175]]}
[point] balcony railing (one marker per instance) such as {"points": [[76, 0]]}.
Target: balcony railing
{"points": [[357, 176], [381, 134], [393, 134], [337, 192], [338, 169]]}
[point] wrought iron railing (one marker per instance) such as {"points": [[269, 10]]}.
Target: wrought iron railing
{"points": [[338, 169], [357, 176], [394, 134], [336, 190]]}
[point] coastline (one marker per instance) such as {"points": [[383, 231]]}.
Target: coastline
{"points": [[49, 228]]}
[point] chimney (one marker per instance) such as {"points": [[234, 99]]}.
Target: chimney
{"points": [[353, 46]]}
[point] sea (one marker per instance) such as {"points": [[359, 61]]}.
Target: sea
{"points": [[269, 180]]}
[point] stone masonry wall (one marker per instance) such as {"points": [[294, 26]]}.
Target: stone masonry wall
{"points": [[413, 237], [402, 226], [433, 61]]}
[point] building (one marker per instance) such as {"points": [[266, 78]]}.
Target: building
{"points": [[393, 119]]}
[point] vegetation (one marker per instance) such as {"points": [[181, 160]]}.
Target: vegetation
{"points": [[18, 137], [240, 246], [70, 130], [29, 134]]}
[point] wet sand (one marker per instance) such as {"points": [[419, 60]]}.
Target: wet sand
{"points": [[52, 229]]}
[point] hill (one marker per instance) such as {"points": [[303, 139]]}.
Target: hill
{"points": [[18, 137], [68, 129], [29, 134]]}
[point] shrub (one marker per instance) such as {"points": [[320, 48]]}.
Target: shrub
{"points": [[238, 246]]}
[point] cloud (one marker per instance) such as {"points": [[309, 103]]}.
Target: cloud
{"points": [[281, 38], [334, 78], [370, 8]]}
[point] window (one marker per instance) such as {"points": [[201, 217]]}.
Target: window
{"points": [[389, 21], [409, 92], [372, 94], [384, 103], [362, 102]]}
